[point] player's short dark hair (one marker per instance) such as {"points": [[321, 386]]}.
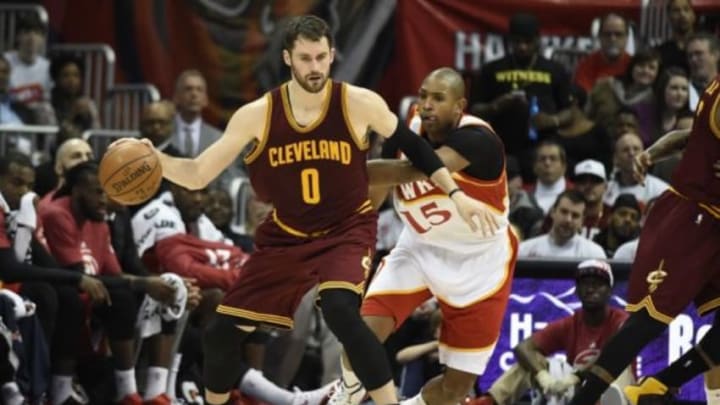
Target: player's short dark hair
{"points": [[16, 157], [61, 60], [306, 26], [575, 197], [552, 143], [78, 174]]}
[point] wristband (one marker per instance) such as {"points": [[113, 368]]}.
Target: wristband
{"points": [[453, 191]]}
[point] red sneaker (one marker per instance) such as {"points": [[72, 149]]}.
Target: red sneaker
{"points": [[161, 399], [132, 399]]}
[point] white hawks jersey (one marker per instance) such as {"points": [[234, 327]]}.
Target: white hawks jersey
{"points": [[431, 217]]}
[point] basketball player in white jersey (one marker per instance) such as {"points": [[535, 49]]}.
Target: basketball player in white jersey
{"points": [[437, 254]]}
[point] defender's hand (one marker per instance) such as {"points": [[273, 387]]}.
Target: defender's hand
{"points": [[476, 214]]}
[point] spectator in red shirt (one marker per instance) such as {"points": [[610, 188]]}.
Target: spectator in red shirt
{"points": [[611, 59], [580, 336], [79, 239]]}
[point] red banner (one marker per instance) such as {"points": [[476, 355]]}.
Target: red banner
{"points": [[463, 34]]}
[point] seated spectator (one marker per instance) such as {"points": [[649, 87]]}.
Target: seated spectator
{"points": [[30, 77], [623, 224], [627, 250], [628, 89], [625, 122], [74, 112], [703, 52], [525, 214], [611, 59], [682, 23], [591, 181], [563, 239], [172, 234], [581, 336], [51, 175], [582, 138], [23, 258], [549, 167], [622, 181], [9, 110], [503, 92], [79, 239], [668, 110], [156, 124]]}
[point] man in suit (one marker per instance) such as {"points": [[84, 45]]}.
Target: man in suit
{"points": [[192, 134]]}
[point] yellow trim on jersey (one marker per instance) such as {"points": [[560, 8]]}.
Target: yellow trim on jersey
{"points": [[710, 209], [708, 306], [345, 285], [362, 142], [260, 145], [292, 231], [255, 316], [468, 350], [648, 304], [714, 118], [364, 207], [288, 109]]}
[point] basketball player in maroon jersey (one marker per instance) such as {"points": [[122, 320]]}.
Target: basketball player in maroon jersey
{"points": [[677, 263], [310, 139]]}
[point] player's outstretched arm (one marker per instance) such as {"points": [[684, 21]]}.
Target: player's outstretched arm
{"points": [[391, 172], [369, 111], [245, 125], [668, 144]]}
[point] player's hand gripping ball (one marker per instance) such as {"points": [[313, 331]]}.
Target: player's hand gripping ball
{"points": [[130, 172]]}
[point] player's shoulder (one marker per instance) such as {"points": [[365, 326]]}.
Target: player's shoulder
{"points": [[360, 96]]}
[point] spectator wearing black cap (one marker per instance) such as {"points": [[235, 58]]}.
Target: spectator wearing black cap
{"points": [[506, 88], [623, 225], [580, 335]]}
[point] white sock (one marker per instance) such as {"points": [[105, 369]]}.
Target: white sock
{"points": [[172, 379], [348, 375], [125, 383], [712, 396], [155, 382], [61, 388], [258, 387], [11, 394], [416, 400]]}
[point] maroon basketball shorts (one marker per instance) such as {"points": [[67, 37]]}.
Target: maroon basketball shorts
{"points": [[677, 261], [285, 267]]}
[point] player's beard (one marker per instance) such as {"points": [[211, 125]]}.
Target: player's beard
{"points": [[315, 86]]}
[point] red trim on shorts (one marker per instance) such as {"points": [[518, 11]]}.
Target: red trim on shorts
{"points": [[396, 306]]}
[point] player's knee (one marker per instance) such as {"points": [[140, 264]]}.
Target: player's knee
{"points": [[222, 335], [340, 309]]}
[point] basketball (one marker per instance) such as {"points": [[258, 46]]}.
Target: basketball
{"points": [[130, 173]]}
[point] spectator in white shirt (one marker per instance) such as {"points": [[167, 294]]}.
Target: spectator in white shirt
{"points": [[549, 167], [623, 181], [8, 115], [30, 81], [563, 239]]}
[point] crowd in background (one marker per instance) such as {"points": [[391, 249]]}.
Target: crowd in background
{"points": [[570, 136]]}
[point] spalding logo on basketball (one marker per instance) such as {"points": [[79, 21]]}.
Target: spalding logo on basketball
{"points": [[130, 173]]}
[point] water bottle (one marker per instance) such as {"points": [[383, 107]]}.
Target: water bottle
{"points": [[534, 109]]}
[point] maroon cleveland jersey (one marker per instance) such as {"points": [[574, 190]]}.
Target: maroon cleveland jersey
{"points": [[694, 177], [314, 175]]}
